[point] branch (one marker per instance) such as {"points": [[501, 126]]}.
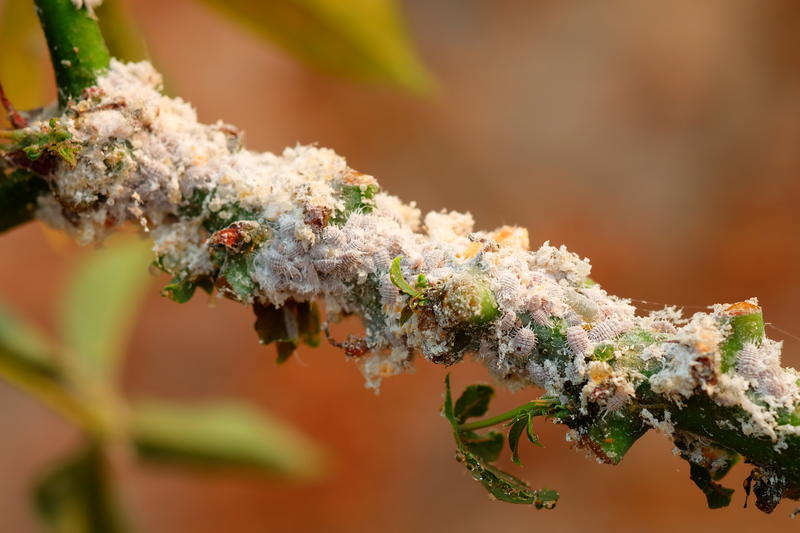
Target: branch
{"points": [[77, 49], [284, 232]]}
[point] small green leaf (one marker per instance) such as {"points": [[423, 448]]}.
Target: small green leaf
{"points": [[532, 436], [603, 352], [399, 281], [356, 199], [717, 496], [78, 496], [447, 407], [474, 401], [486, 446], [517, 428], [360, 39], [222, 435], [99, 307], [179, 290], [406, 314], [22, 346], [545, 499], [236, 272], [500, 484]]}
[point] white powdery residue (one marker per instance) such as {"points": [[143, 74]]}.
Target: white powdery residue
{"points": [[561, 262], [664, 426], [89, 4], [449, 226], [405, 214], [678, 379]]}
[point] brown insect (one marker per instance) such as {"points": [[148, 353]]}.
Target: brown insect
{"points": [[238, 235]]}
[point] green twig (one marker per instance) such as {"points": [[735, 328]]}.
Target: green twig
{"points": [[77, 49], [509, 415]]}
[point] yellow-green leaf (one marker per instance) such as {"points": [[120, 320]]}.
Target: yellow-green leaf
{"points": [[23, 347], [22, 54], [360, 39], [99, 306], [222, 435]]}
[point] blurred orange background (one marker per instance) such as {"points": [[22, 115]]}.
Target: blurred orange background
{"points": [[660, 139]]}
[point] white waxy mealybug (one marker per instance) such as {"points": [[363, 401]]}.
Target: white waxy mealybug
{"points": [[524, 341], [291, 250], [509, 284], [334, 237], [573, 319], [607, 330], [349, 261], [286, 225], [663, 326], [382, 259], [617, 401], [583, 305], [326, 265], [748, 362], [508, 321], [541, 318], [578, 340], [389, 292], [539, 374], [772, 382]]}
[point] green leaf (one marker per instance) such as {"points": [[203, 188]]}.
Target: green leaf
{"points": [[508, 488], [406, 314], [717, 496], [532, 436], [447, 408], [99, 306], [500, 484], [486, 446], [78, 496], [237, 274], [25, 348], [359, 39], [355, 198], [474, 401], [179, 290], [222, 435], [517, 427], [399, 281]]}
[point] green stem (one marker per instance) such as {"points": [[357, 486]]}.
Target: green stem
{"points": [[77, 49], [508, 415]]}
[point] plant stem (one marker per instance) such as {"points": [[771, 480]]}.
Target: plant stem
{"points": [[77, 49], [508, 415]]}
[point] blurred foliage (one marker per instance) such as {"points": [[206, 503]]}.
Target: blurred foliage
{"points": [[78, 495], [119, 29], [22, 56], [78, 380], [360, 39]]}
